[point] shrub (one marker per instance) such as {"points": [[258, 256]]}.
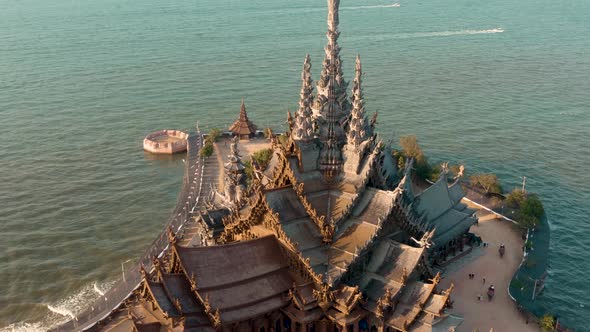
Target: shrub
{"points": [[486, 181], [262, 157], [547, 323], [206, 150], [530, 208], [515, 198], [411, 149], [249, 170], [401, 162], [533, 207], [213, 135]]}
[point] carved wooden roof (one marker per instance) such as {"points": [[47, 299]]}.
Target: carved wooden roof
{"points": [[243, 126]]}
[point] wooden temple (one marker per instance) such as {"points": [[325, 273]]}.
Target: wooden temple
{"points": [[331, 236], [243, 127]]}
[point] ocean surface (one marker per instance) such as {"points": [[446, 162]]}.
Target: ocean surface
{"points": [[502, 86]]}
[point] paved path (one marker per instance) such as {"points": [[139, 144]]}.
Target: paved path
{"points": [[501, 313]]}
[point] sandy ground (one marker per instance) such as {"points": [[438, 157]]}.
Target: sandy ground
{"points": [[501, 313]]}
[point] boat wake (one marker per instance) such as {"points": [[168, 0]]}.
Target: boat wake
{"points": [[393, 5], [410, 35], [61, 311], [456, 33]]}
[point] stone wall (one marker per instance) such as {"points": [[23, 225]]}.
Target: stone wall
{"points": [[150, 143]]}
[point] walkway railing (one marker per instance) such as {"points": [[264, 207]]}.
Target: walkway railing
{"points": [[188, 200]]}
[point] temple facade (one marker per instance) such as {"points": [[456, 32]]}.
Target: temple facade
{"points": [[331, 236]]}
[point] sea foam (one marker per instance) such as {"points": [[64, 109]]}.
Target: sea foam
{"points": [[63, 310]]}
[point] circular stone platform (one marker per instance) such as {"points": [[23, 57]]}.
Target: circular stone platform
{"points": [[165, 142]]}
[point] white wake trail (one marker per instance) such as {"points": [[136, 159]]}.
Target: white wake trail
{"points": [[455, 33], [410, 35], [393, 5]]}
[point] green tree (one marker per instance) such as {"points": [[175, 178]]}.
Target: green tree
{"points": [[249, 170], [401, 163], [516, 198], [533, 207], [213, 135], [486, 181], [547, 323], [206, 150], [526, 221], [411, 149]]}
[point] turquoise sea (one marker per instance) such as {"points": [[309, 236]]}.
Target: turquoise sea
{"points": [[502, 86]]}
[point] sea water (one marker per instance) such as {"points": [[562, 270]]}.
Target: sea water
{"points": [[501, 86]]}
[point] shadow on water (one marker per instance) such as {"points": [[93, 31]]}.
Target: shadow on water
{"points": [[164, 159]]}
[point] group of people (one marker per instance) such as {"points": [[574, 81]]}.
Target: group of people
{"points": [[491, 289]]}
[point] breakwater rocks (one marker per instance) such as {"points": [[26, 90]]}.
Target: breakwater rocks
{"points": [[165, 142]]}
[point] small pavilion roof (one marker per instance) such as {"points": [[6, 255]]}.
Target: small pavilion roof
{"points": [[243, 126]]}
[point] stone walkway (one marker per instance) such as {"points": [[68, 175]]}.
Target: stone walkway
{"points": [[501, 313]]}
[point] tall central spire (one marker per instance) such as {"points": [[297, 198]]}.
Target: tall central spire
{"points": [[332, 58], [333, 14]]}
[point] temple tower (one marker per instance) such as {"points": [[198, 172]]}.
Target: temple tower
{"points": [[303, 128], [357, 130], [330, 162], [332, 69]]}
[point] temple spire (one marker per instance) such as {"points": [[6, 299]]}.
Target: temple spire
{"points": [[243, 114], [333, 21], [357, 131], [303, 126], [332, 58], [330, 156]]}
